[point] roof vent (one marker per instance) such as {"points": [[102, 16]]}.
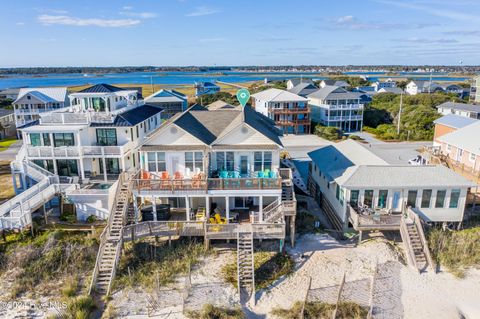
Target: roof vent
{"points": [[173, 130], [244, 130]]}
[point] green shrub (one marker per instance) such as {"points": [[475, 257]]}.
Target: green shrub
{"points": [[79, 308], [305, 223], [212, 312], [91, 219], [328, 132]]}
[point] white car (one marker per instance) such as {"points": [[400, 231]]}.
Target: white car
{"points": [[419, 160]]}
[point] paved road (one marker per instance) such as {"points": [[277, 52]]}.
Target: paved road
{"points": [[299, 145], [10, 153]]}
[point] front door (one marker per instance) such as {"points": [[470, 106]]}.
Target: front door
{"points": [[396, 202], [175, 162], [244, 166]]}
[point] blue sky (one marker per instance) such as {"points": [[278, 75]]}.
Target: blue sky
{"points": [[248, 32]]}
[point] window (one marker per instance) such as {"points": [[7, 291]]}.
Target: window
{"points": [[156, 162], [337, 192], [262, 161], [426, 196], [354, 197], [106, 136], [412, 198], [382, 198], [225, 161], [472, 157], [35, 139], [111, 164], [194, 161], [46, 139], [454, 197], [145, 127], [440, 200], [449, 147], [138, 134], [67, 167], [257, 161], [368, 198], [341, 196], [63, 139]]}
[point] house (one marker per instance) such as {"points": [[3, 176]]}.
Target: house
{"points": [[346, 178], [416, 87], [454, 89], [291, 83], [303, 89], [389, 83], [289, 111], [91, 142], [449, 123], [31, 102], [7, 123], [9, 94], [205, 88], [461, 109], [335, 106], [394, 90], [222, 105], [462, 146], [210, 162], [170, 101], [330, 82]]}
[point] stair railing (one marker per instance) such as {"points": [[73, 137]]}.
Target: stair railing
{"points": [[408, 244], [418, 222]]}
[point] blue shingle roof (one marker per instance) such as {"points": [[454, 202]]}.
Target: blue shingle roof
{"points": [[132, 117], [455, 121]]}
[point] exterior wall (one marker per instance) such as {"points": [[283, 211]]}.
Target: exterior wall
{"points": [[286, 121], [441, 130], [261, 106], [351, 118], [477, 93], [462, 157], [411, 89]]}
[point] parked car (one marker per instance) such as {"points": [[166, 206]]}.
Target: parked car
{"points": [[419, 160]]}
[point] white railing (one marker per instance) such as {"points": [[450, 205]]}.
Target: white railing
{"points": [[76, 151], [65, 118], [343, 106], [345, 118]]}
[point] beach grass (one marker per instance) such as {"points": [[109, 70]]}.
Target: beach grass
{"points": [[269, 267], [321, 310], [6, 143], [6, 191], [210, 311]]}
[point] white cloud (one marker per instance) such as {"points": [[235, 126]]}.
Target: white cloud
{"points": [[20, 23], [202, 11], [141, 15], [428, 40], [352, 23], [345, 19], [127, 7], [46, 19]]}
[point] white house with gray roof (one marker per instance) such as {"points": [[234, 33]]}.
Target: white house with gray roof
{"points": [[347, 175], [170, 101], [461, 109], [416, 87], [31, 102], [337, 107], [289, 111]]}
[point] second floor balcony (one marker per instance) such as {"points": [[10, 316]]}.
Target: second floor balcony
{"points": [[355, 106], [295, 110], [78, 151]]}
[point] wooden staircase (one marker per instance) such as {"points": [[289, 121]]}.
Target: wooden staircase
{"points": [[111, 241], [418, 254], [245, 264]]}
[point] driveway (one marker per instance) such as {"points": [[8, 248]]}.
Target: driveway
{"points": [[10, 153], [396, 153]]}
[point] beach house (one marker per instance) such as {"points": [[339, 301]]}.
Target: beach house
{"points": [[337, 107], [31, 102], [460, 109], [358, 189], [171, 101], [289, 111]]}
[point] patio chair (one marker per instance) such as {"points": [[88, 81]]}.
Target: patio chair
{"points": [[272, 174], [260, 174], [223, 174], [219, 219]]}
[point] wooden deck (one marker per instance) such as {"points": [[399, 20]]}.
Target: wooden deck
{"points": [[200, 228], [374, 222]]}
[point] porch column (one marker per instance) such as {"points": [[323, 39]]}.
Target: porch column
{"points": [[260, 209], [122, 163], [227, 209], [187, 207], [55, 168], [207, 206], [82, 172], [135, 208], [104, 164], [14, 181], [154, 208]]}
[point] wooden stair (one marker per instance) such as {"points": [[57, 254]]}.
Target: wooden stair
{"points": [[245, 265], [416, 246], [111, 242]]}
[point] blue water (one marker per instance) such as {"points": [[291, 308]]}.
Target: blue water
{"points": [[173, 78]]}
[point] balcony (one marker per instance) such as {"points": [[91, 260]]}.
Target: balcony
{"points": [[374, 219], [41, 110], [77, 151], [345, 118], [342, 106], [293, 122], [296, 110]]}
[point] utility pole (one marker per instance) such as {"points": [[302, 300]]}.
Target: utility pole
{"points": [[400, 114], [430, 84], [151, 83]]}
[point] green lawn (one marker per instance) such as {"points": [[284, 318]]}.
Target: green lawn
{"points": [[5, 144]]}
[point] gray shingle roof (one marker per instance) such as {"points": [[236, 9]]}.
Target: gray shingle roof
{"points": [[390, 176], [460, 106], [334, 92], [465, 138], [303, 89], [132, 117]]}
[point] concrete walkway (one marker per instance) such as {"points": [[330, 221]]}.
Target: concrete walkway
{"points": [[10, 153]]}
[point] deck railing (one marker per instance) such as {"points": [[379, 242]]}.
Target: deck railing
{"points": [[374, 221]]}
